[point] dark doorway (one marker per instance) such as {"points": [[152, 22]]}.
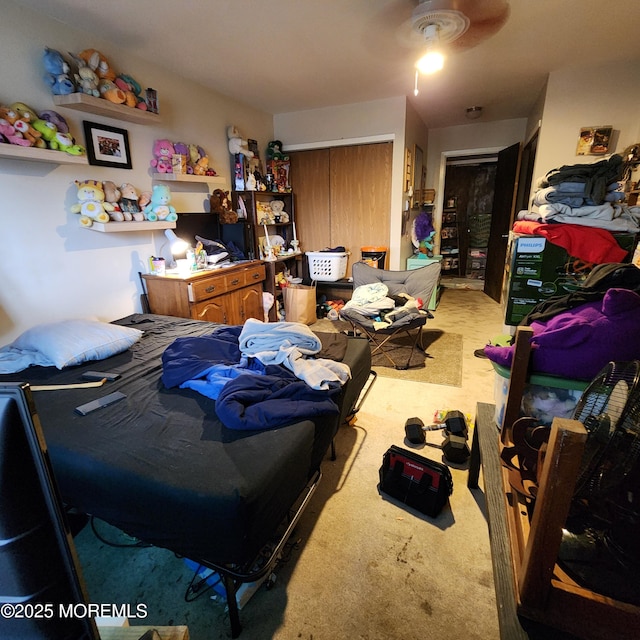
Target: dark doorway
{"points": [[469, 183]]}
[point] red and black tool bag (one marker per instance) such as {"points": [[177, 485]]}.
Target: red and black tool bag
{"points": [[420, 483]]}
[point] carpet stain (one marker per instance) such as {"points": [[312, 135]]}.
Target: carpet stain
{"points": [[426, 607], [403, 552]]}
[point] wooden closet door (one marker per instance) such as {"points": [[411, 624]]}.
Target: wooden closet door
{"points": [[310, 184], [343, 197], [360, 197]]}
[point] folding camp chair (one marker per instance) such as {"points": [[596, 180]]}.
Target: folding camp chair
{"points": [[416, 283]]}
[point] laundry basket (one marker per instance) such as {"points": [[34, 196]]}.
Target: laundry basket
{"points": [[327, 266]]}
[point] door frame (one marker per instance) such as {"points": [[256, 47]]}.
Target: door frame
{"points": [[457, 153]]}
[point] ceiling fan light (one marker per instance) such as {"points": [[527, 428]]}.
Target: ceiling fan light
{"points": [[431, 62]]}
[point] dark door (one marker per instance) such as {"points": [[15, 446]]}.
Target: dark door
{"points": [[501, 219]]}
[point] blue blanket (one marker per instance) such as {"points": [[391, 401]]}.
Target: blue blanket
{"points": [[249, 395]]}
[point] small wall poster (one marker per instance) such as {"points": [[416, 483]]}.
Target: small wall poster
{"points": [[594, 141]]}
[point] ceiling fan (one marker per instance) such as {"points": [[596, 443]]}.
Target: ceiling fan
{"points": [[435, 25], [462, 24]]}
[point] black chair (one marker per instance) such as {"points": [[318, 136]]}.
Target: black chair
{"points": [[416, 283], [39, 573]]}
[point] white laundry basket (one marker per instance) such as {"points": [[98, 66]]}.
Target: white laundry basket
{"points": [[327, 266]]}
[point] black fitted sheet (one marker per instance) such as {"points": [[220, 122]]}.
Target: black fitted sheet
{"points": [[161, 466]]}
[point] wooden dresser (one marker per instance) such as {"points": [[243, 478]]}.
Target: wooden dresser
{"points": [[229, 295]]}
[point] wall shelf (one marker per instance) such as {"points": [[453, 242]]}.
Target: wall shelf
{"points": [[123, 227], [102, 107], [187, 177], [33, 154]]}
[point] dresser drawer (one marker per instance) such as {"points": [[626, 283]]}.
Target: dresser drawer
{"points": [[245, 278], [207, 288]]}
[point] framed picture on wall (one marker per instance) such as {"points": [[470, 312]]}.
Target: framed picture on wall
{"points": [[107, 146], [594, 141]]}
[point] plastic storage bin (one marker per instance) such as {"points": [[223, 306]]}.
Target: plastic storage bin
{"points": [[544, 397], [327, 266]]}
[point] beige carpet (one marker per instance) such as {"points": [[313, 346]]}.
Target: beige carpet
{"points": [[439, 363]]}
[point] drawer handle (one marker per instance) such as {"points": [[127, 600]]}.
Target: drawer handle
{"points": [[256, 276], [210, 288], [234, 282]]}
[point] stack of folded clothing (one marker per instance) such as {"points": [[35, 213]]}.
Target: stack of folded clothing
{"points": [[585, 194]]}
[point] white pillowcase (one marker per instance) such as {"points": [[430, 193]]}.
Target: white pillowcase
{"points": [[70, 342]]}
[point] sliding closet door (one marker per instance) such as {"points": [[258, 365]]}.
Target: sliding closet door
{"points": [[343, 197], [360, 196], [310, 183]]}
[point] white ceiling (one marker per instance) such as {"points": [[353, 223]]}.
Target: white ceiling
{"points": [[290, 55]]}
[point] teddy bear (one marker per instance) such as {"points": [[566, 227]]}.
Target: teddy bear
{"points": [[23, 132], [55, 118], [27, 115], [237, 144], [111, 92], [99, 63], [129, 202], [7, 119], [159, 207], [163, 150], [57, 73], [132, 91], [86, 77], [91, 205], [57, 140], [278, 214], [219, 203], [144, 200], [112, 196], [202, 166]]}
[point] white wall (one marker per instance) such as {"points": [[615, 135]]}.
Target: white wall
{"points": [[585, 97], [355, 124], [50, 268]]}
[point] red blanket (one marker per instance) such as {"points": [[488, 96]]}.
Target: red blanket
{"points": [[587, 243]]}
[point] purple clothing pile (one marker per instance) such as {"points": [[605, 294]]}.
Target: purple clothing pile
{"points": [[579, 342]]}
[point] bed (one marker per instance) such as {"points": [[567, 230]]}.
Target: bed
{"points": [[162, 467]]}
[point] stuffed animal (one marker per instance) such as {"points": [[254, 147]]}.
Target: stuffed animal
{"points": [[277, 211], [99, 63], [7, 119], [201, 167], [159, 207], [144, 200], [109, 91], [91, 205], [162, 152], [220, 204], [24, 133], [129, 202], [237, 144], [132, 91], [57, 73], [274, 151], [86, 77], [55, 118], [112, 196], [57, 140]]}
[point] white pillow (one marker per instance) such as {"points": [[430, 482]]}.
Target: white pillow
{"points": [[72, 342]]}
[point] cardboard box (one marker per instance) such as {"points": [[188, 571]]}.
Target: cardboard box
{"points": [[539, 269]]}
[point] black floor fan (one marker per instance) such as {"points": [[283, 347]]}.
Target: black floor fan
{"points": [[601, 542]]}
